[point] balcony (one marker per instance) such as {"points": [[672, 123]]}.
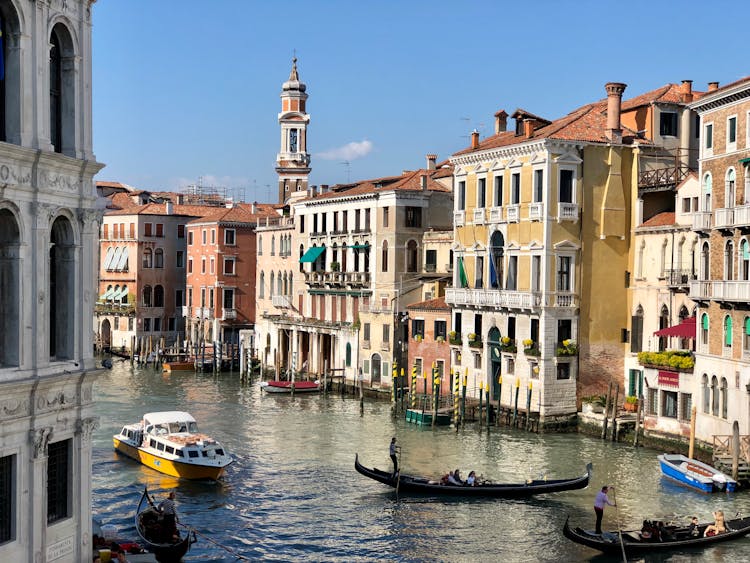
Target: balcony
{"points": [[513, 213], [281, 302], [536, 211], [700, 290], [204, 313], [430, 268], [114, 308], [702, 221], [459, 218], [731, 291], [662, 178], [679, 278], [337, 279], [567, 211], [229, 314], [479, 216], [496, 214], [731, 217], [186, 310], [492, 298]]}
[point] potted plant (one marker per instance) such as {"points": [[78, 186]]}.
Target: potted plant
{"points": [[440, 338], [474, 340], [631, 403], [568, 348], [418, 337], [507, 344], [593, 404], [454, 338], [335, 266], [528, 344]]}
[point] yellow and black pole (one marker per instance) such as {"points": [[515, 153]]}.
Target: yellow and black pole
{"points": [[435, 393], [499, 395], [456, 397], [401, 383], [413, 386], [481, 390], [515, 403], [528, 408], [393, 385]]}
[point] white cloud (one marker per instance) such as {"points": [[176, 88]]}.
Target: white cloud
{"points": [[350, 151]]}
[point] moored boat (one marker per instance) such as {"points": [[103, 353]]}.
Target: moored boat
{"points": [[676, 538], [695, 474], [286, 386], [170, 443], [412, 484], [178, 366], [158, 540]]}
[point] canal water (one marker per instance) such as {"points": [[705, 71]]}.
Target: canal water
{"points": [[293, 495]]}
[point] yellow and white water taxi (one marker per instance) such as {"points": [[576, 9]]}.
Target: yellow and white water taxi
{"points": [[170, 443]]}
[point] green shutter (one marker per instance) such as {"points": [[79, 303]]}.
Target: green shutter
{"points": [[704, 321], [745, 250], [727, 330], [747, 325]]}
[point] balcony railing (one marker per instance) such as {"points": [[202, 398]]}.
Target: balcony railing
{"points": [[204, 312], [116, 308], [459, 218], [702, 221], [731, 290], [320, 278], [281, 301], [430, 267], [662, 177], [731, 217], [700, 289], [496, 214], [536, 211], [509, 298], [567, 211], [229, 314], [679, 277], [513, 213], [186, 310], [479, 216]]}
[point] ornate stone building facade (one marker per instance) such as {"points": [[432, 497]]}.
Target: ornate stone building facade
{"points": [[48, 230]]}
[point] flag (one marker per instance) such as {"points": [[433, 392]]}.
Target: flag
{"points": [[464, 281], [493, 272]]}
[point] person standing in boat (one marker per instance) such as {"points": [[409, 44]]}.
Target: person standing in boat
{"points": [[393, 450], [169, 515], [600, 502]]}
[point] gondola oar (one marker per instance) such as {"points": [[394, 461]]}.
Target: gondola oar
{"points": [[619, 530], [398, 476]]}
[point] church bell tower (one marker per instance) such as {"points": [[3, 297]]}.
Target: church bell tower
{"points": [[293, 160]]}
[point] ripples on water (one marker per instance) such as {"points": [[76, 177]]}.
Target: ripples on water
{"points": [[293, 495]]}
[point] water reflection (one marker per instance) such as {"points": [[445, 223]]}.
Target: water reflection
{"points": [[293, 494]]}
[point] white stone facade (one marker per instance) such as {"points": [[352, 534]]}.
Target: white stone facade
{"points": [[48, 255]]}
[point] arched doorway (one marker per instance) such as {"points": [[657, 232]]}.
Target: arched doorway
{"points": [[105, 333], [375, 369]]}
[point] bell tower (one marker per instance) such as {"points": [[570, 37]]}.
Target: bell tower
{"points": [[293, 160]]}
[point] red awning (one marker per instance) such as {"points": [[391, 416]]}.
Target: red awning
{"points": [[686, 329]]}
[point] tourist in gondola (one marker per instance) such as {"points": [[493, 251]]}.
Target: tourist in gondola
{"points": [[169, 515], [718, 527], [694, 531], [393, 450], [600, 502], [471, 480]]}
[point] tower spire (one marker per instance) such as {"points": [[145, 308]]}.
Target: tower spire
{"points": [[293, 160], [293, 75]]}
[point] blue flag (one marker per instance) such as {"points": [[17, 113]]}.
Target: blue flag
{"points": [[493, 272]]}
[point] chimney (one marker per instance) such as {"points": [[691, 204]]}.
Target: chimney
{"points": [[501, 121], [614, 105], [253, 209], [528, 127], [431, 158], [169, 208], [713, 86], [687, 91], [423, 182], [475, 139], [324, 188]]}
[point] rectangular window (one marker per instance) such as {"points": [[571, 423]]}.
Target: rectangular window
{"points": [[180, 231], [668, 124], [213, 236], [511, 282], [478, 272], [180, 259], [302, 224], [210, 297], [159, 230], [179, 297], [203, 297], [534, 331], [732, 130], [204, 236], [564, 330], [441, 329], [536, 273], [564, 273], [190, 266], [203, 265], [515, 186], [457, 324], [498, 195], [7, 498], [686, 205], [418, 366], [566, 186], [413, 217], [116, 231], [229, 266], [481, 192], [386, 333], [229, 236], [385, 216], [58, 480], [417, 327], [157, 324], [538, 185], [461, 196], [147, 229], [228, 298], [686, 400], [636, 333], [146, 324], [105, 231], [430, 260], [190, 238], [669, 405], [512, 328], [132, 230], [366, 331], [563, 370]]}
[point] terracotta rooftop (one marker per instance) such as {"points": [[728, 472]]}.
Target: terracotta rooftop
{"points": [[435, 304], [663, 219], [239, 213], [161, 209], [667, 94]]}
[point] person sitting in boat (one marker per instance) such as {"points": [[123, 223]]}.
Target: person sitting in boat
{"points": [[453, 478], [693, 528], [471, 480], [718, 527], [647, 532], [445, 479]]}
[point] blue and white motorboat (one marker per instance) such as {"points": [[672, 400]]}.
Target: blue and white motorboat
{"points": [[695, 474]]}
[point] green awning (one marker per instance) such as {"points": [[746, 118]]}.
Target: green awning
{"points": [[745, 160], [359, 246], [312, 254]]}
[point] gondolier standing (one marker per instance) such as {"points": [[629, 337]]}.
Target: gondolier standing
{"points": [[169, 513], [599, 503], [394, 449]]}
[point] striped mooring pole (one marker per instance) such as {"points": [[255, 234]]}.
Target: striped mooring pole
{"points": [[456, 397], [393, 385], [414, 386]]}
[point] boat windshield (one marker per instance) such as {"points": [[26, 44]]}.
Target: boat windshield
{"points": [[176, 427]]}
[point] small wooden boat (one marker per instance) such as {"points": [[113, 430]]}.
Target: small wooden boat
{"points": [[695, 474], [286, 386], [424, 417], [411, 484], [170, 443], [178, 366], [158, 540], [676, 538]]}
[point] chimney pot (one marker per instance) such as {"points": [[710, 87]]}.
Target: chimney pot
{"points": [[475, 139], [528, 127], [501, 121], [169, 208], [423, 182], [687, 91], [713, 86], [614, 106], [431, 158]]}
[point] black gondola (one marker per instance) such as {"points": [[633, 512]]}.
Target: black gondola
{"points": [[675, 539], [157, 540], [411, 484]]}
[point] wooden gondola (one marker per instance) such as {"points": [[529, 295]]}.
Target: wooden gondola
{"points": [[411, 484], [155, 538], [677, 538]]}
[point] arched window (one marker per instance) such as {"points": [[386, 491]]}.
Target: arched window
{"points": [[745, 260], [62, 77], [147, 296], [262, 288], [706, 188], [366, 260], [704, 329], [158, 296], [639, 264], [746, 337], [375, 368], [158, 258], [724, 397], [273, 245], [147, 258], [706, 394], [728, 331], [729, 191], [279, 284], [729, 260], [384, 257], [714, 396], [260, 245], [684, 313], [291, 281], [663, 323], [411, 256], [335, 256], [124, 295], [705, 262], [10, 86], [62, 290], [497, 259], [286, 286], [663, 259], [348, 354], [271, 286]]}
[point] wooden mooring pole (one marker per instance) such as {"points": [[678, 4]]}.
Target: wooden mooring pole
{"points": [[606, 412], [614, 413]]}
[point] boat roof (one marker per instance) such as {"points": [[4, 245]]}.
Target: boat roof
{"points": [[167, 416]]}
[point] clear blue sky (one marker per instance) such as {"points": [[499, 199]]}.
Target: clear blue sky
{"points": [[190, 89]]}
